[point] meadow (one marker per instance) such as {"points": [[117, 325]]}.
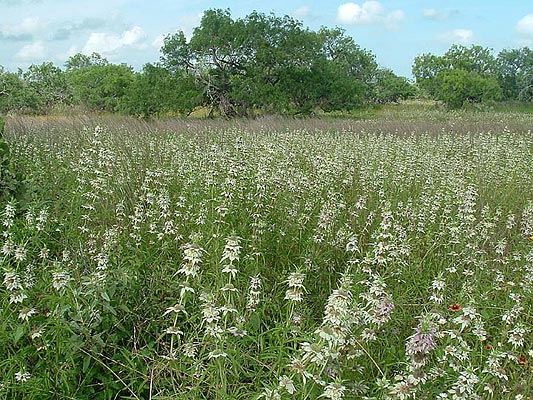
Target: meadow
{"points": [[389, 257]]}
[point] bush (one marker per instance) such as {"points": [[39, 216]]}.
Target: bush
{"points": [[457, 87]]}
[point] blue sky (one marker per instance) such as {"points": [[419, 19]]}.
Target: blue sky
{"points": [[131, 31]]}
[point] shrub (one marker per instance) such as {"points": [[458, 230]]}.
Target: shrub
{"points": [[458, 86]]}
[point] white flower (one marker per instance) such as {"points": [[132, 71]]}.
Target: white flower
{"points": [[269, 394], [37, 332], [228, 288], [176, 309], [286, 383], [189, 350], [60, 279], [237, 332], [295, 280], [44, 253], [294, 295], [26, 313], [22, 376], [232, 249], [334, 391], [516, 335], [20, 253], [12, 281], [17, 297], [174, 330]]}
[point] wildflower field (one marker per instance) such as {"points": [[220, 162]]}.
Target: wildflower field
{"points": [[273, 259]]}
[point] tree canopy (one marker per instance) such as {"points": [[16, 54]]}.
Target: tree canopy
{"points": [[474, 74], [231, 67], [263, 63], [269, 63]]}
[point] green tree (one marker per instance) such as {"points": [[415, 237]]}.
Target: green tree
{"points": [[13, 91], [392, 88], [457, 87], [47, 87], [97, 84], [80, 61], [156, 90], [515, 73], [462, 74], [425, 69], [474, 59], [269, 63]]}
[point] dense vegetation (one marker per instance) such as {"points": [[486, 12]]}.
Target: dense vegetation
{"points": [[475, 75], [269, 258], [264, 64], [231, 67]]}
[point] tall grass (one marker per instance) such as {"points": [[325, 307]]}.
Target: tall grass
{"points": [[269, 259]]}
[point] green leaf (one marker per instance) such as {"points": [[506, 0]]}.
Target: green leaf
{"points": [[86, 363], [18, 333]]}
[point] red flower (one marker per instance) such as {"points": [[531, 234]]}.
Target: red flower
{"points": [[455, 307], [488, 346], [522, 360]]}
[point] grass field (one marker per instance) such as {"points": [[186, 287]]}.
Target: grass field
{"points": [[381, 258]]}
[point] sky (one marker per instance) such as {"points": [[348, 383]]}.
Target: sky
{"points": [[132, 31]]}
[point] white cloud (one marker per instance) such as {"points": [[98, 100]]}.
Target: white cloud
{"points": [[460, 36], [27, 26], [525, 25], [302, 12], [133, 36], [369, 12], [159, 41], [394, 17], [107, 43], [32, 52], [187, 24], [352, 13], [432, 13], [438, 15]]}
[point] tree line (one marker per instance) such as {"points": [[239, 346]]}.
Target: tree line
{"points": [[474, 75], [263, 64], [231, 67]]}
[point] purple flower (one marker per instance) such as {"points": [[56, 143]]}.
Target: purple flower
{"points": [[423, 340]]}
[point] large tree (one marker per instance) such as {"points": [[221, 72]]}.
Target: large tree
{"points": [[48, 86], [389, 87], [12, 91], [515, 73], [461, 75], [157, 91], [269, 63], [96, 83], [459, 86]]}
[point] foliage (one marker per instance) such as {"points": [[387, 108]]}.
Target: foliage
{"points": [[97, 84], [47, 86], [425, 70], [157, 91], [392, 88], [270, 63], [457, 87], [263, 64], [516, 73], [13, 92], [481, 76]]}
